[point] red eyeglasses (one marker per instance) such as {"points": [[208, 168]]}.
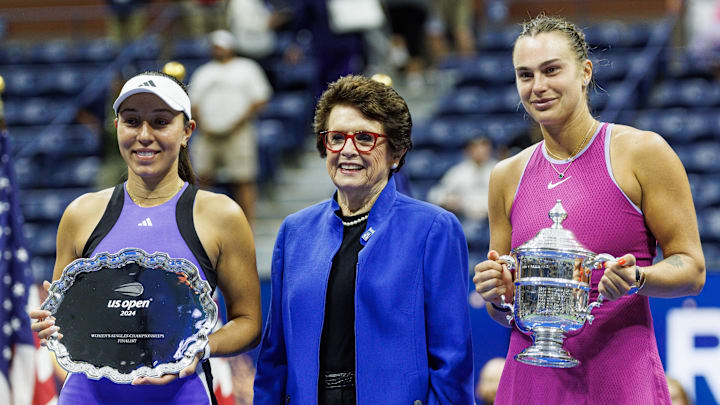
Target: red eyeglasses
{"points": [[364, 141]]}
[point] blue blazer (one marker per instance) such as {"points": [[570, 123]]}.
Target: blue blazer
{"points": [[412, 323]]}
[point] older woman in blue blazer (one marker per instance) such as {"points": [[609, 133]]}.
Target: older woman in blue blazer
{"points": [[369, 288]]}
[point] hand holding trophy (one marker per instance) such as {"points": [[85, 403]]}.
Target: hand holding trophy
{"points": [[552, 290]]}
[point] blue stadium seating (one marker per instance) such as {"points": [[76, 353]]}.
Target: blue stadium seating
{"points": [[40, 238], [289, 77], [20, 81], [189, 48], [497, 39], [487, 69], [693, 93], [48, 204], [678, 125], [12, 52], [709, 224], [54, 51], [430, 165], [705, 190], [609, 34], [73, 140], [700, 157], [294, 108], [272, 141], [477, 234], [32, 111], [97, 50]]}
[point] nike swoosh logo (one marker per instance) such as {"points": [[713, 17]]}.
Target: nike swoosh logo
{"points": [[552, 186]]}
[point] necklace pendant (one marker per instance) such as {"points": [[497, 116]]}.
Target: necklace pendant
{"points": [[560, 176]]}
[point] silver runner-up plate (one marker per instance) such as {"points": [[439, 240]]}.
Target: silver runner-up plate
{"points": [[130, 314]]}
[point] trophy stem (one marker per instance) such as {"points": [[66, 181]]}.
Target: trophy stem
{"points": [[547, 349]]}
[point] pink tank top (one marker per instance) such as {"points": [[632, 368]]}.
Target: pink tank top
{"points": [[619, 361]]}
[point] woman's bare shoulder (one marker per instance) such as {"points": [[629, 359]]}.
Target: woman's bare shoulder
{"points": [[90, 204], [512, 167]]}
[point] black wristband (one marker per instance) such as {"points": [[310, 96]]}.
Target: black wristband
{"points": [[501, 309]]}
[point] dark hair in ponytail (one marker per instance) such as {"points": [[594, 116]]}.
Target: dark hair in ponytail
{"points": [[185, 169]]}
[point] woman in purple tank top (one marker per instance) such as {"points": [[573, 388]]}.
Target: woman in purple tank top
{"points": [[159, 209], [625, 191]]}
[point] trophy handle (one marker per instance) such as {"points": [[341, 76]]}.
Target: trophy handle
{"points": [[597, 263], [511, 263], [509, 307]]}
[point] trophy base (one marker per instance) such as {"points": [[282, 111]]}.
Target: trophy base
{"points": [[547, 350]]}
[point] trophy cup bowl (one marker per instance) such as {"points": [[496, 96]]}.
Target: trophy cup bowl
{"points": [[552, 291]]}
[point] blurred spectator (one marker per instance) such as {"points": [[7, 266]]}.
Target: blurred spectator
{"points": [[251, 22], [127, 20], [489, 380], [227, 93], [678, 396], [407, 22], [702, 20], [203, 16], [339, 51], [451, 28], [463, 189]]}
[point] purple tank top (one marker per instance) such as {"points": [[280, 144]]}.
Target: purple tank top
{"points": [[619, 361], [152, 229]]}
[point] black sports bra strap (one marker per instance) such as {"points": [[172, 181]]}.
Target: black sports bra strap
{"points": [[186, 224], [108, 220]]}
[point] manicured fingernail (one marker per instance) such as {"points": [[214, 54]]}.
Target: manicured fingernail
{"points": [[621, 262]]}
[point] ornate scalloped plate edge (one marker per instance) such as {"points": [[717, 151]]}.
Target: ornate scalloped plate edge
{"points": [[156, 260]]}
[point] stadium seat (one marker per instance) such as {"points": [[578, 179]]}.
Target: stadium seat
{"points": [[12, 53], [97, 50], [712, 255], [272, 141], [40, 238], [700, 157], [73, 140], [497, 39], [694, 93], [452, 133], [48, 204], [290, 77], [487, 69], [614, 34], [678, 125], [709, 224], [477, 234], [20, 81], [147, 47], [430, 165], [611, 65], [54, 51], [189, 48], [467, 100], [705, 190], [295, 108]]}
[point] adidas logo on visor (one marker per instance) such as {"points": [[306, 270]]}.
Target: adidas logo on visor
{"points": [[148, 83]]}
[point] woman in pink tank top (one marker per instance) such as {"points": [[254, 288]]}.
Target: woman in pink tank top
{"points": [[625, 191]]}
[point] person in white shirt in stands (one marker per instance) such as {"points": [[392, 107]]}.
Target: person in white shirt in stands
{"points": [[463, 189], [226, 94]]}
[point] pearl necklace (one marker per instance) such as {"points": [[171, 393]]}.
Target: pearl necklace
{"points": [[357, 221], [572, 156]]}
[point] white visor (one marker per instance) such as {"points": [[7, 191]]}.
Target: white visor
{"points": [[170, 92]]}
